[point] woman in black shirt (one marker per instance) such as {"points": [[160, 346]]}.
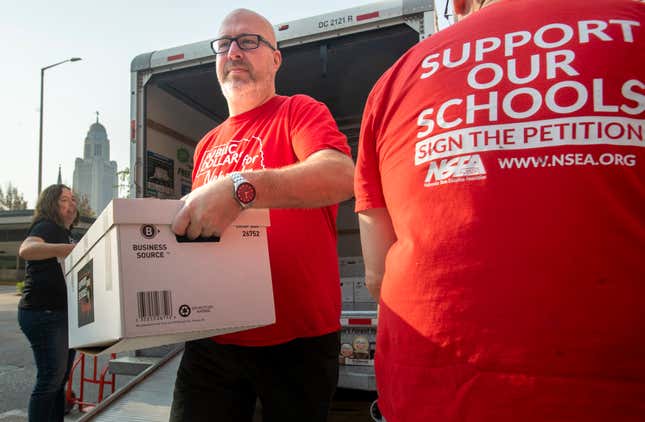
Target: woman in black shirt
{"points": [[42, 311]]}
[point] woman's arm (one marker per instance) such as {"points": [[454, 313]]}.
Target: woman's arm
{"points": [[34, 248]]}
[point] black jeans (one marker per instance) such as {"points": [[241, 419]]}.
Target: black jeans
{"points": [[294, 381], [47, 334]]}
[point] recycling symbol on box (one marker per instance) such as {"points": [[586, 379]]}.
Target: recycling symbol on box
{"points": [[184, 310]]}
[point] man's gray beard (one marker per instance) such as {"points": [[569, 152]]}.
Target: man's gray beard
{"points": [[238, 89]]}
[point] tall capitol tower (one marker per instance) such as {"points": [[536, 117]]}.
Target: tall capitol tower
{"points": [[95, 174]]}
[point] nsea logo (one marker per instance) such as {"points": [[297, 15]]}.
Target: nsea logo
{"points": [[455, 169]]}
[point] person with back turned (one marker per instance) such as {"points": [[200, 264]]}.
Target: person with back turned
{"points": [[500, 187]]}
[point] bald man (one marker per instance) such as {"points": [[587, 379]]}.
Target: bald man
{"points": [[285, 154]]}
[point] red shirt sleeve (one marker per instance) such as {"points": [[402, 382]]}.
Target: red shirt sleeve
{"points": [[368, 190], [313, 128]]}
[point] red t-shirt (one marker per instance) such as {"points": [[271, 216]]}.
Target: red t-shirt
{"points": [[508, 150], [302, 242]]}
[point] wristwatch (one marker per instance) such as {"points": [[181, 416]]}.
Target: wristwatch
{"points": [[243, 190]]}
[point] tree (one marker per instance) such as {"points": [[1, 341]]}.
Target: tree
{"points": [[11, 199], [84, 208]]}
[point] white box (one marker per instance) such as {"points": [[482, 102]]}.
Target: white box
{"points": [[347, 289], [361, 294], [132, 285], [351, 266]]}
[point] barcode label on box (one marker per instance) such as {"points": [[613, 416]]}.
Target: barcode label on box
{"points": [[154, 304]]}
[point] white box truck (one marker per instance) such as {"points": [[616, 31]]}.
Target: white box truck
{"points": [[336, 58]]}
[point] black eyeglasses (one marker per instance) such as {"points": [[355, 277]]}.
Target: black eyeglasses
{"points": [[244, 41]]}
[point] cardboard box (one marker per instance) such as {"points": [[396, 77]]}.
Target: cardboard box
{"points": [[351, 266], [361, 294], [347, 289], [131, 284]]}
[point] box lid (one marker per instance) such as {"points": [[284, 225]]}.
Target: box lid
{"points": [[145, 211]]}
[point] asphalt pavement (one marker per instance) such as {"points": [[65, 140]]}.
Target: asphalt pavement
{"points": [[18, 374], [17, 368], [17, 371]]}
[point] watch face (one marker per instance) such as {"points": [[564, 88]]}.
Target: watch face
{"points": [[245, 193]]}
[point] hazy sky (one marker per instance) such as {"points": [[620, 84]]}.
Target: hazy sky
{"points": [[107, 36]]}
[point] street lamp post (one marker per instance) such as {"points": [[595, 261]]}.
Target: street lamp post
{"points": [[40, 138]]}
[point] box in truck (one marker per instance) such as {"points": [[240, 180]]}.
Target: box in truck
{"points": [[335, 58], [133, 284]]}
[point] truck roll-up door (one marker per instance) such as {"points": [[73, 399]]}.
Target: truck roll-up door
{"points": [[341, 71]]}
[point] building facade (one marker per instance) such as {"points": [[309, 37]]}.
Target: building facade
{"points": [[13, 230], [94, 174]]}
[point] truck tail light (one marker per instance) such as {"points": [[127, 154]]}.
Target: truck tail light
{"points": [[358, 321]]}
